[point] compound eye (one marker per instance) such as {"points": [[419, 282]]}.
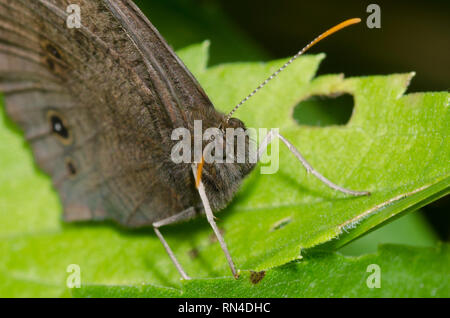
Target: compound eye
{"points": [[217, 141], [235, 123], [224, 152]]}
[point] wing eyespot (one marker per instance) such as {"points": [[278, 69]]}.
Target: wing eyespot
{"points": [[53, 51], [71, 167], [54, 59], [50, 64], [59, 127]]}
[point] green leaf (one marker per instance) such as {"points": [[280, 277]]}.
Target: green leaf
{"points": [[404, 272], [410, 229], [395, 146]]}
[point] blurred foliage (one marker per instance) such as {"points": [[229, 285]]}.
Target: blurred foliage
{"points": [[184, 22], [409, 30]]}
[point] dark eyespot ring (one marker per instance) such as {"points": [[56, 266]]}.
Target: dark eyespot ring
{"points": [[54, 59], [59, 127], [235, 123], [71, 167], [50, 63], [53, 51]]}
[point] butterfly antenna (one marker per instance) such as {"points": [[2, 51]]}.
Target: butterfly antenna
{"points": [[334, 29]]}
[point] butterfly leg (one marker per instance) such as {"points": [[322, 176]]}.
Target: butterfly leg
{"points": [[210, 218], [182, 216], [274, 134]]}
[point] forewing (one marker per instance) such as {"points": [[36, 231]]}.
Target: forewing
{"points": [[97, 105]]}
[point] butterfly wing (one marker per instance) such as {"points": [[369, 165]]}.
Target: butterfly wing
{"points": [[98, 104]]}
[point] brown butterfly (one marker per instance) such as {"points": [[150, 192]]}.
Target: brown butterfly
{"points": [[98, 103]]}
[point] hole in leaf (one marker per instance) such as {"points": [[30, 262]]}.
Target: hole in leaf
{"points": [[322, 111]]}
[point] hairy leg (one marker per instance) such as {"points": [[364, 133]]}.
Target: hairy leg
{"points": [[210, 217], [274, 134], [182, 216]]}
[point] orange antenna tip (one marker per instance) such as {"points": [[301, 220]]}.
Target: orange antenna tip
{"points": [[199, 172], [334, 29]]}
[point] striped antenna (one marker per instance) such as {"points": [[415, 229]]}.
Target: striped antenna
{"points": [[334, 29]]}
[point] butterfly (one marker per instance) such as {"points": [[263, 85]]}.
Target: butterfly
{"points": [[98, 103]]}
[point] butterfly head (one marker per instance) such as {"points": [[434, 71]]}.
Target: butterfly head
{"points": [[227, 159]]}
